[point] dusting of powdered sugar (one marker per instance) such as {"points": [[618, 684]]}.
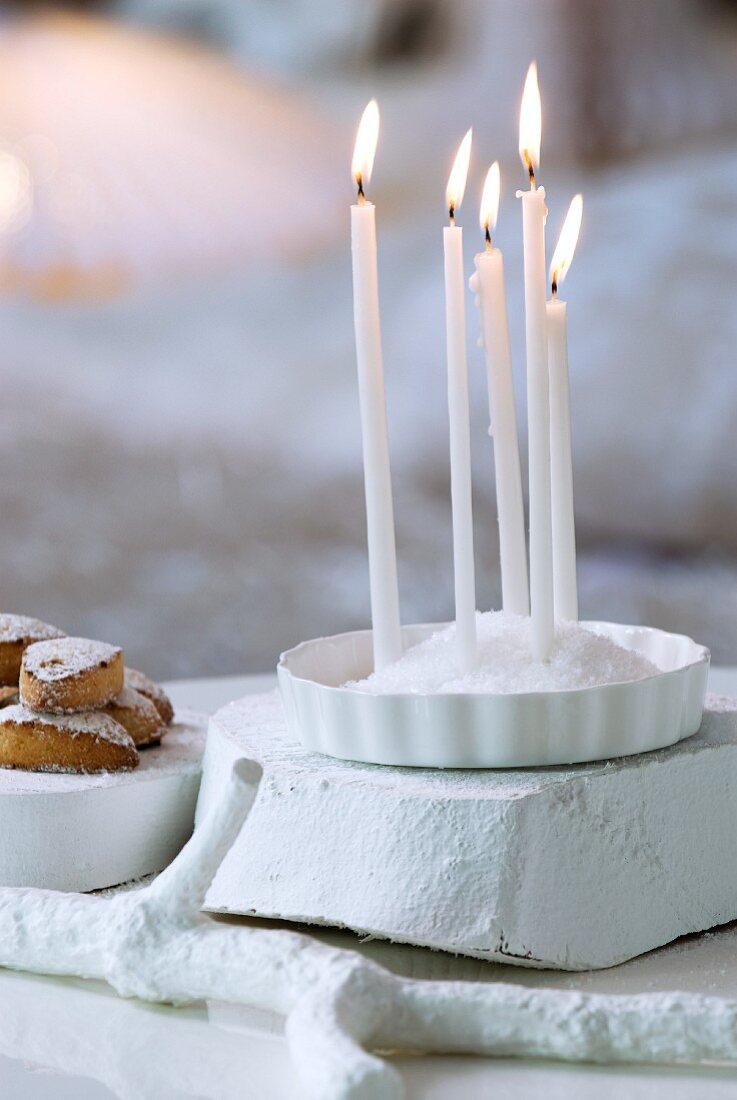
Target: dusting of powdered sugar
{"points": [[150, 690], [130, 699], [93, 723], [21, 628], [579, 659], [63, 658], [179, 753]]}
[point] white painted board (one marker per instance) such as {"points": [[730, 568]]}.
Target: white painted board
{"points": [[573, 868], [88, 832]]}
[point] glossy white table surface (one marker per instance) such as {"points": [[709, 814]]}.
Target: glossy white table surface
{"points": [[75, 1040]]}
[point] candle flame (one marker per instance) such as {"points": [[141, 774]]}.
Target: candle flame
{"points": [[364, 150], [530, 123], [567, 241], [458, 175], [490, 200]]}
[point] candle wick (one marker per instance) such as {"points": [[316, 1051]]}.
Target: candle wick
{"points": [[531, 173], [452, 213], [554, 287], [487, 237], [361, 194]]}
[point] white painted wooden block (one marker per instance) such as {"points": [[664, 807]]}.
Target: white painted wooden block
{"points": [[88, 832], [573, 868]]}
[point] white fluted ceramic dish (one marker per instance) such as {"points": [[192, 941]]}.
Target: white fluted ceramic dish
{"points": [[491, 731]]}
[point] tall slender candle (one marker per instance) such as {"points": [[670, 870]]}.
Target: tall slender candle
{"points": [[460, 435], [561, 465], [488, 283], [534, 212], [382, 554]]}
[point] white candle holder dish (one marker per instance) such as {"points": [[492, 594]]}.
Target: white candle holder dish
{"points": [[491, 730]]}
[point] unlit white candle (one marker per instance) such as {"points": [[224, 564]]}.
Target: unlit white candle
{"points": [[382, 554], [460, 433], [489, 285], [565, 589]]}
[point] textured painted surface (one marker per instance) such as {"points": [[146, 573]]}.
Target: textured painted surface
{"points": [[87, 832], [574, 868], [154, 944]]}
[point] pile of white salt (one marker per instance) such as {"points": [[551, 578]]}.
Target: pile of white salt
{"points": [[580, 658]]}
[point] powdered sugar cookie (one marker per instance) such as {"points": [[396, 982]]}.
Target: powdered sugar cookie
{"points": [[70, 674], [91, 742], [16, 633], [141, 683], [138, 716]]}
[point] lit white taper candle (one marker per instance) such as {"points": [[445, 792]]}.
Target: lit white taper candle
{"points": [[561, 466], [534, 212], [460, 435], [382, 554], [488, 284]]}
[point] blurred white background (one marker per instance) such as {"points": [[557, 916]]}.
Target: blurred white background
{"points": [[179, 434]]}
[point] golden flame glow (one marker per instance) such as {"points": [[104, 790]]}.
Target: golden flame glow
{"points": [[458, 175], [16, 193], [364, 150], [530, 122], [567, 241], [490, 199]]}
